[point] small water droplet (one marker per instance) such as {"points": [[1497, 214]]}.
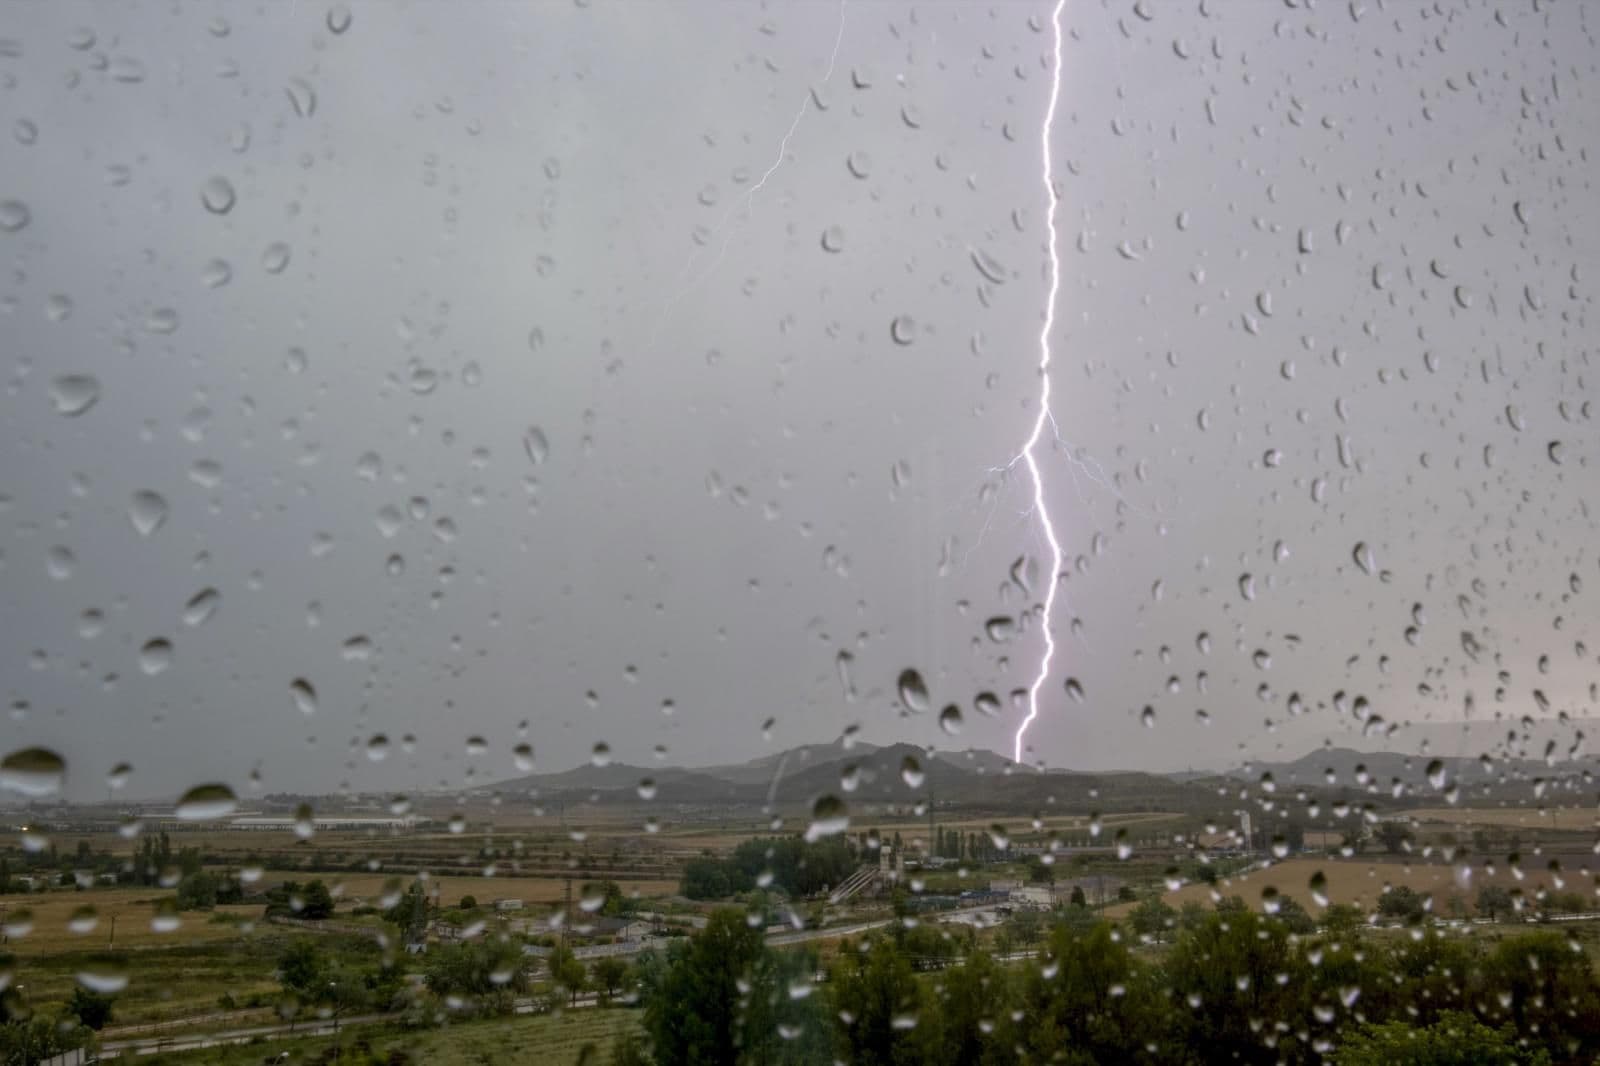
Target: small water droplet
{"points": [[903, 329], [147, 510], [950, 720], [156, 656], [275, 258], [14, 215], [73, 394], [536, 445], [217, 195], [304, 695]]}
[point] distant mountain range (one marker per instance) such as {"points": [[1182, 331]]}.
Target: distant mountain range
{"points": [[1443, 755], [869, 774]]}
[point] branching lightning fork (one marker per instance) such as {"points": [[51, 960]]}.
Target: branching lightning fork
{"points": [[1028, 455]]}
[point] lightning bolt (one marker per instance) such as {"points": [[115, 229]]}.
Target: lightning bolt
{"points": [[1027, 455], [747, 206]]}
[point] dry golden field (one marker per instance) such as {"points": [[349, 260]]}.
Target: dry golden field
{"points": [[1362, 881]]}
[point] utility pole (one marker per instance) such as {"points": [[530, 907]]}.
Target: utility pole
{"points": [[111, 941], [566, 917]]}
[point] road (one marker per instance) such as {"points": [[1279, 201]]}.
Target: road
{"points": [[152, 1045]]}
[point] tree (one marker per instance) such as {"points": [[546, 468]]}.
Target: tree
{"points": [[1456, 1039], [610, 974], [1039, 870], [1295, 917], [705, 878], [317, 902], [724, 998], [469, 903], [1028, 926], [302, 969], [1085, 1003], [90, 1008], [1152, 919], [1241, 973], [875, 993], [1395, 836], [1078, 898], [567, 972], [487, 973], [1494, 902], [410, 913], [1403, 902], [1343, 918]]}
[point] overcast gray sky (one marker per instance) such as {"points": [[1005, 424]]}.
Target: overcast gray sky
{"points": [[1327, 279]]}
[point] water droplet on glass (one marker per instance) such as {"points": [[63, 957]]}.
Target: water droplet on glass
{"points": [[986, 704], [338, 19], [216, 274], [913, 691], [303, 695], [14, 215], [275, 258], [217, 195], [201, 606], [60, 562], [911, 772], [207, 802], [536, 445], [601, 755], [833, 239], [156, 656], [950, 720], [33, 772], [302, 97], [73, 394], [1362, 553], [859, 164], [829, 817], [147, 510]]}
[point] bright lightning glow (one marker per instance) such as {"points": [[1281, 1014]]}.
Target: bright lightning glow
{"points": [[1044, 393]]}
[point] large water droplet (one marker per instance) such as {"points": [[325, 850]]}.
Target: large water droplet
{"points": [[903, 329], [33, 772], [911, 772], [338, 19], [207, 802], [829, 817], [913, 691]]}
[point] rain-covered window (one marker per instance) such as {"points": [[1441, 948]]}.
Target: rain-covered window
{"points": [[820, 532]]}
